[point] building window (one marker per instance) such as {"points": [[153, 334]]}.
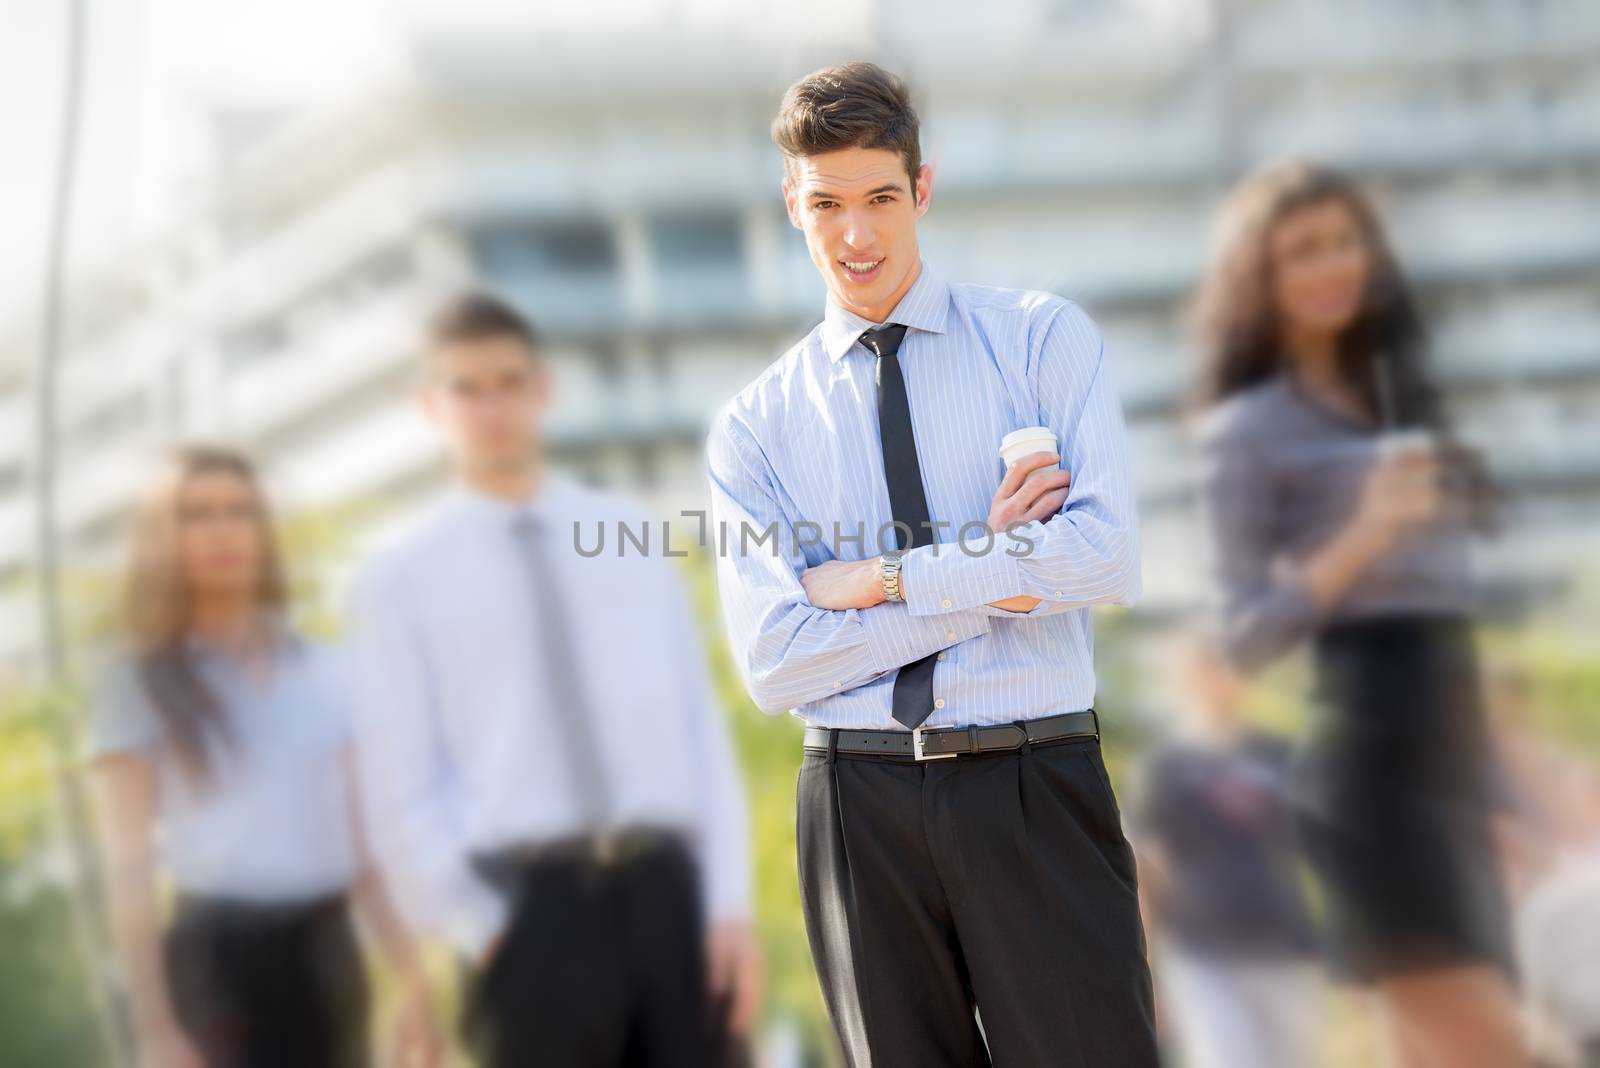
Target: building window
{"points": [[697, 240], [116, 419], [249, 342], [583, 246]]}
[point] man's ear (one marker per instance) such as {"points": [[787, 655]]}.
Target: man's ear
{"points": [[428, 401], [544, 383], [791, 204], [923, 187]]}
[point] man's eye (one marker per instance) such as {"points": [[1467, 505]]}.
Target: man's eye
{"points": [[883, 198], [823, 205]]}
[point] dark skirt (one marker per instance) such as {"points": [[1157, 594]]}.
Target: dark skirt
{"points": [[1397, 797], [268, 986]]}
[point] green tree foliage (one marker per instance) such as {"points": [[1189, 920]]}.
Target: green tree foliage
{"points": [[46, 1018]]}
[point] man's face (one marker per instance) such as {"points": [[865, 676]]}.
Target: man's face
{"points": [[859, 209], [488, 396]]}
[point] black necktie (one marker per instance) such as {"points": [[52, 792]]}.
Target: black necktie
{"points": [[571, 717], [913, 684]]}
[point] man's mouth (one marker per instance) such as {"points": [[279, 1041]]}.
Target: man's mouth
{"points": [[861, 270]]}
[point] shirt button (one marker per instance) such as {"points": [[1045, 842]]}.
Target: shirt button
{"points": [[1058, 593], [837, 683], [947, 602], [949, 635], [939, 703], [941, 656]]}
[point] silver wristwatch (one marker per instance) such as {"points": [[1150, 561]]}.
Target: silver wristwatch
{"points": [[891, 578]]}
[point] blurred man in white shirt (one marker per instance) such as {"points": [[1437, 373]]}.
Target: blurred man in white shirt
{"points": [[549, 778]]}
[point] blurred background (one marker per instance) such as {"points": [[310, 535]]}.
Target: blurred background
{"points": [[225, 220]]}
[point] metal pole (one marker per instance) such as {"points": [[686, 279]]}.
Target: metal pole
{"points": [[88, 925], [1230, 101]]}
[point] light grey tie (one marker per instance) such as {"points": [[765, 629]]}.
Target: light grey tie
{"points": [[571, 717]]}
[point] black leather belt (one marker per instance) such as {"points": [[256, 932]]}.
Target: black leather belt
{"points": [[240, 914], [935, 742], [603, 847]]}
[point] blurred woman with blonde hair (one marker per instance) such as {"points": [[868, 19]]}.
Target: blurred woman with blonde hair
{"points": [[219, 741]]}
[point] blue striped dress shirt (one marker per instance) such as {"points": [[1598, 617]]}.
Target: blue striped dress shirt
{"points": [[796, 473]]}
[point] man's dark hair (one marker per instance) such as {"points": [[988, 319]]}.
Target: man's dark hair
{"points": [[478, 316], [852, 105]]}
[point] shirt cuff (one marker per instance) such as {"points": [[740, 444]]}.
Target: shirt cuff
{"points": [[961, 575], [1258, 633], [1043, 608], [476, 922], [727, 896], [896, 637]]}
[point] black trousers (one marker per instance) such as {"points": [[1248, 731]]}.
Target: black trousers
{"points": [[268, 986], [603, 965], [1000, 881]]}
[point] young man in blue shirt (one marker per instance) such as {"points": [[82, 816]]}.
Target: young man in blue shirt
{"points": [[925, 610]]}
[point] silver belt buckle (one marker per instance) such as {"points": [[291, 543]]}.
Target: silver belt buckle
{"points": [[916, 742], [606, 846]]}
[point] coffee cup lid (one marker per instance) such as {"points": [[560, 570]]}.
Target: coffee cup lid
{"points": [[1028, 433]]}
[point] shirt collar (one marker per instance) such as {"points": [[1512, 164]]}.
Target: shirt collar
{"points": [[280, 634], [925, 306], [547, 505]]}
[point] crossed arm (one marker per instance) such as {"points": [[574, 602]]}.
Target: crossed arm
{"points": [[802, 633], [1031, 491]]}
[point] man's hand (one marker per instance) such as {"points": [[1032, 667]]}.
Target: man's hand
{"points": [[842, 584], [491, 951], [1028, 493], [416, 1040], [733, 962], [165, 1045], [1023, 497]]}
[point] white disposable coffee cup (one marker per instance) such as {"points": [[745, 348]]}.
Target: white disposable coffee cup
{"points": [[1030, 439], [1414, 442]]}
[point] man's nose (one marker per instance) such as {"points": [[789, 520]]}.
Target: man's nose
{"points": [[858, 232]]}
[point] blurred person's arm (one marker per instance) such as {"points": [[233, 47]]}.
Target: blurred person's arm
{"points": [[1086, 554], [733, 953], [1401, 493], [1146, 803], [420, 1043], [788, 651], [124, 789], [1274, 756], [406, 788], [124, 735], [1147, 795], [1266, 607], [1023, 498], [1261, 611], [1154, 887]]}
